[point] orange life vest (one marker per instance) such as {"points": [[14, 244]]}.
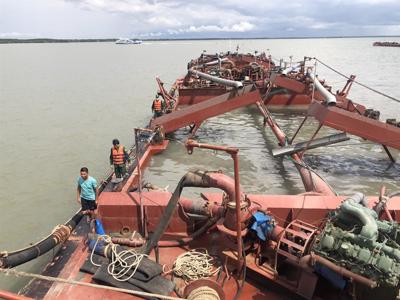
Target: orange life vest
{"points": [[118, 155], [157, 105]]}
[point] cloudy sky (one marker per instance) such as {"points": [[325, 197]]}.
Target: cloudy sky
{"points": [[197, 19]]}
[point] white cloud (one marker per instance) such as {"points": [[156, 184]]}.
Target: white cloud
{"points": [[16, 35], [239, 27], [223, 18]]}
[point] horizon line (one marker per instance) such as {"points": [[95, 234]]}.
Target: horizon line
{"points": [[60, 40]]}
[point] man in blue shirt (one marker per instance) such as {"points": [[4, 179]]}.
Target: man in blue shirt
{"points": [[87, 193]]}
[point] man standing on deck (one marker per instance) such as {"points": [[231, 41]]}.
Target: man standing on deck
{"points": [[158, 107], [118, 159], [87, 193]]}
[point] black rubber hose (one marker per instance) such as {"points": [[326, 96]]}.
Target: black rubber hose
{"points": [[193, 179], [20, 257], [210, 222]]}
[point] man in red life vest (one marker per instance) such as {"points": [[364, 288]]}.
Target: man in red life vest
{"points": [[118, 159], [158, 107]]}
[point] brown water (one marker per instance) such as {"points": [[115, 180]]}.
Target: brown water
{"points": [[62, 104]]}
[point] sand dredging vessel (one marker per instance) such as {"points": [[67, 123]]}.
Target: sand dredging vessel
{"points": [[150, 243]]}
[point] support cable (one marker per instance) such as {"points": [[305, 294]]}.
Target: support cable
{"points": [[357, 82]]}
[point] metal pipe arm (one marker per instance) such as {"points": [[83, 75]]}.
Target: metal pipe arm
{"points": [[226, 82], [329, 97]]}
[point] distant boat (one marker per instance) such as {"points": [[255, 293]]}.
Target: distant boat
{"points": [[128, 42], [386, 44]]}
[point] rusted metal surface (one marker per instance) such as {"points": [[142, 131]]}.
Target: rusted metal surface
{"points": [[144, 160], [311, 181], [295, 220], [190, 144], [197, 113], [293, 241], [356, 124], [311, 208]]}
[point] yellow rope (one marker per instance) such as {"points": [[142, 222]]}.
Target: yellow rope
{"points": [[74, 282], [194, 264], [203, 293]]}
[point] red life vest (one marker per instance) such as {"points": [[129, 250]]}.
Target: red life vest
{"points": [[157, 105], [118, 155]]}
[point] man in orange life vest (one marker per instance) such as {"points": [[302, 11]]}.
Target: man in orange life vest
{"points": [[118, 159], [158, 107]]}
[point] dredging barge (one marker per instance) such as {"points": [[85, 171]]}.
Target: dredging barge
{"points": [[386, 44], [231, 245]]}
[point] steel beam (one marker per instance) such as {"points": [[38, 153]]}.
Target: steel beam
{"points": [[197, 113], [364, 127]]}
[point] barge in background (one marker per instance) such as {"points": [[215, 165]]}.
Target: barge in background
{"points": [[386, 44], [231, 244]]}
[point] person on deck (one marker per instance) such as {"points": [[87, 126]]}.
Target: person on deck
{"points": [[87, 193], [118, 159], [158, 107]]}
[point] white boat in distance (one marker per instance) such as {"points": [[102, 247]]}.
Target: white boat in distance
{"points": [[128, 42]]}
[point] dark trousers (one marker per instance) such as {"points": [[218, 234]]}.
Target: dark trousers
{"points": [[158, 114], [120, 170]]}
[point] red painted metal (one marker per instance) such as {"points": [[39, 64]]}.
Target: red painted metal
{"points": [[119, 210], [151, 150], [197, 113], [356, 124], [11, 296], [189, 96], [311, 181], [190, 144], [294, 240], [125, 210], [308, 207]]}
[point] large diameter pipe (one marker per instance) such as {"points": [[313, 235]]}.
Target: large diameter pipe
{"points": [[226, 82], [190, 179], [342, 271], [217, 61], [58, 236], [11, 296], [370, 228], [329, 98], [234, 152], [291, 68], [311, 181]]}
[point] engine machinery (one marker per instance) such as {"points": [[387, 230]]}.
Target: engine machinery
{"points": [[354, 238]]}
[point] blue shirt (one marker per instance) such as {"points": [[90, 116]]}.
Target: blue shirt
{"points": [[88, 188]]}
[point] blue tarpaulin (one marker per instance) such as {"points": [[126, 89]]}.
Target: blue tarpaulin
{"points": [[263, 225]]}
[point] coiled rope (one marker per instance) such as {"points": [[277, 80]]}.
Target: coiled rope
{"points": [[122, 263], [357, 82], [194, 265], [203, 293]]}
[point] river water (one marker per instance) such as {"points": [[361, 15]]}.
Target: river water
{"points": [[62, 104]]}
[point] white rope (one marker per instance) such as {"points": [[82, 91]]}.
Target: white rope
{"points": [[194, 265], [125, 260], [74, 282]]}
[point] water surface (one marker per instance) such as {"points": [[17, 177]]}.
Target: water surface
{"points": [[62, 104]]}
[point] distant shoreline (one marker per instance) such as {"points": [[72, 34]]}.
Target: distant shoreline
{"points": [[49, 40]]}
